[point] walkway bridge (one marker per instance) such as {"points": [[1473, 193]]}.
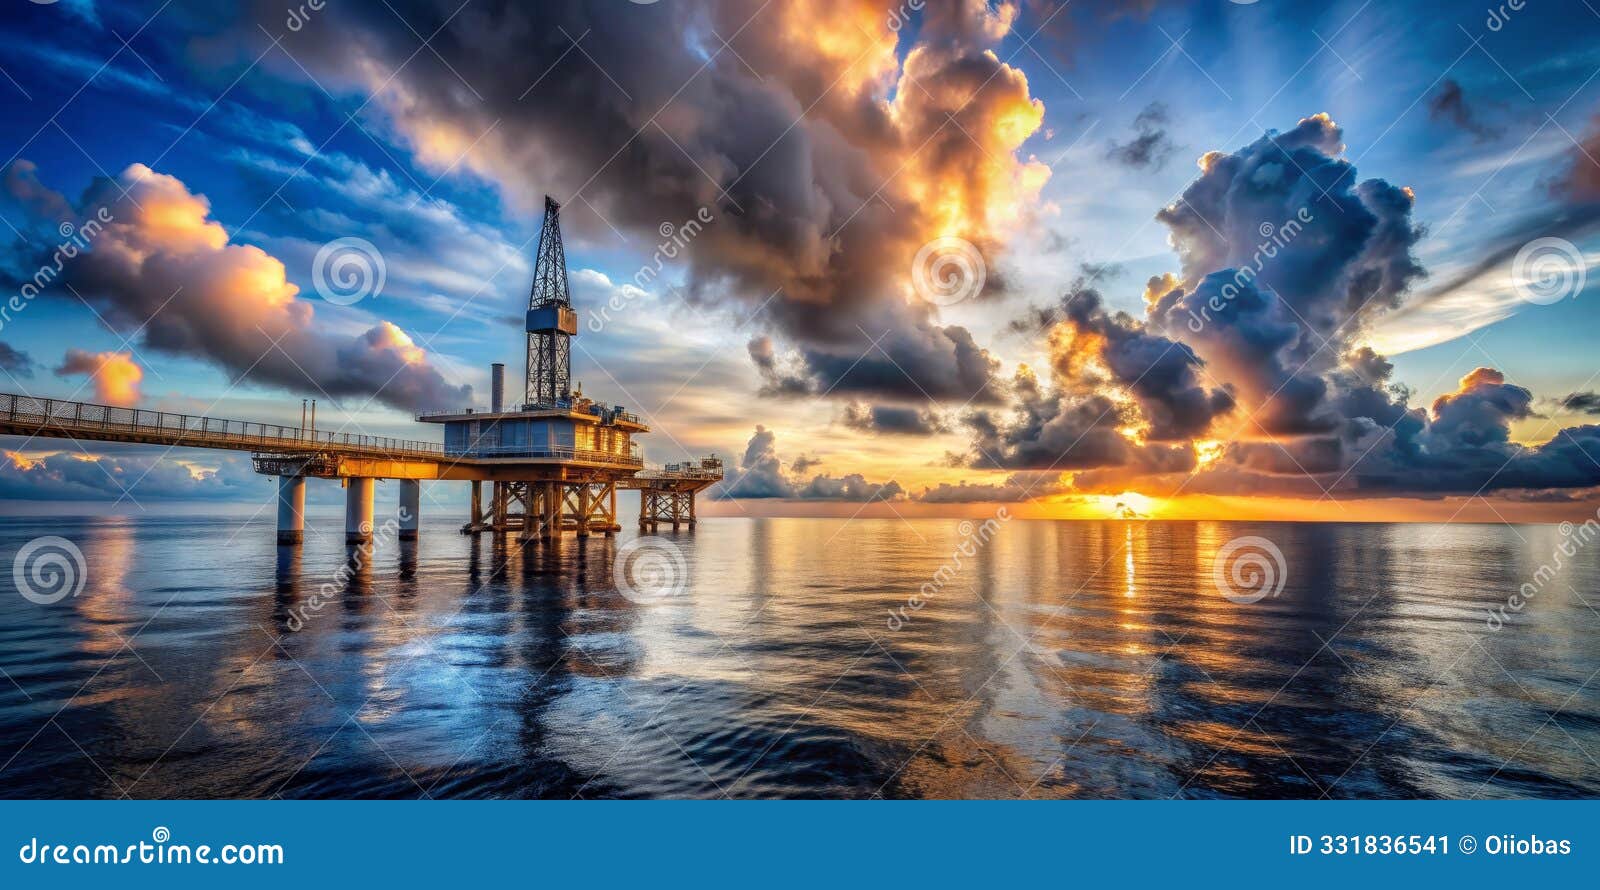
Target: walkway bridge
{"points": [[559, 487]]}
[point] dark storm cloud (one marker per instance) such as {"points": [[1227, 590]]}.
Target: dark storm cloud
{"points": [[1163, 375], [1151, 146], [893, 419], [804, 464], [14, 361], [1450, 104], [1583, 402], [813, 178]]}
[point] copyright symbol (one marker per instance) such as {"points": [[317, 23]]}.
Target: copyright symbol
{"points": [[1468, 844]]}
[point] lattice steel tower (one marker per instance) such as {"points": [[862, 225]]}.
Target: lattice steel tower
{"points": [[552, 322]]}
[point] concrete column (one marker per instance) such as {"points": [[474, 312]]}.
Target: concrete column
{"points": [[410, 508], [291, 509], [477, 506], [358, 509]]}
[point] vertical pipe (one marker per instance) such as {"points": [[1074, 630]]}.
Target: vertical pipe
{"points": [[358, 510], [291, 509], [613, 525], [476, 522], [497, 387], [583, 510], [410, 508]]}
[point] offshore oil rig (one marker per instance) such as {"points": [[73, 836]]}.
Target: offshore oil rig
{"points": [[554, 462]]}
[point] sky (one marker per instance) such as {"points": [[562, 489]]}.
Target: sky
{"points": [[1155, 259]]}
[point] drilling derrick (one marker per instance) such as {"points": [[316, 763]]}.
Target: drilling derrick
{"points": [[551, 321]]}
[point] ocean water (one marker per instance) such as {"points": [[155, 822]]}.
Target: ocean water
{"points": [[805, 658]]}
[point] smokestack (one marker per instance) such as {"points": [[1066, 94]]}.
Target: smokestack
{"points": [[497, 387]]}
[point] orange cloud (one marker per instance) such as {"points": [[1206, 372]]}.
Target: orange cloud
{"points": [[115, 375]]}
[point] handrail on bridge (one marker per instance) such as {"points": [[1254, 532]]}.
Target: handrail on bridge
{"points": [[557, 452], [58, 414]]}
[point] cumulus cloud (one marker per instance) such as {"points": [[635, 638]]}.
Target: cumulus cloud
{"points": [[1249, 373], [164, 270], [853, 487], [761, 474], [114, 375]]}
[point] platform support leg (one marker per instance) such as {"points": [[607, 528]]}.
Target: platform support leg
{"points": [[410, 509], [291, 509], [358, 509], [552, 510]]}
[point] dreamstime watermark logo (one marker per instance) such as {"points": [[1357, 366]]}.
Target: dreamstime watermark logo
{"points": [[348, 270], [675, 239], [1274, 238], [1548, 270], [947, 271], [973, 538], [1573, 539], [156, 851], [75, 240], [649, 569], [1500, 15], [1249, 569], [49, 569], [901, 16], [300, 15], [300, 615]]}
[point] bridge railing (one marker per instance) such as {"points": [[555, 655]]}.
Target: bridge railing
{"points": [[65, 416], [552, 452]]}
